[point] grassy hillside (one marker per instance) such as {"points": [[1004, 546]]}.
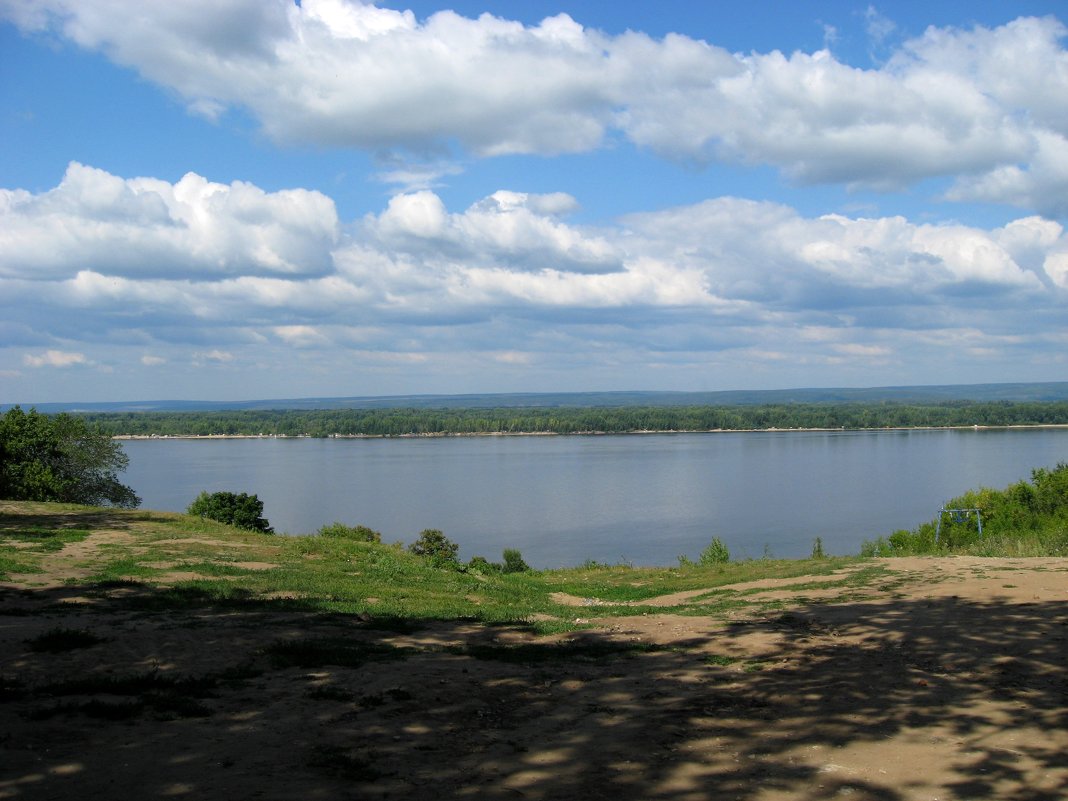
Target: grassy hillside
{"points": [[199, 561], [202, 562]]}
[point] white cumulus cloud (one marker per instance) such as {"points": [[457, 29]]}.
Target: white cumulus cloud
{"points": [[512, 278], [147, 227], [515, 228], [983, 105]]}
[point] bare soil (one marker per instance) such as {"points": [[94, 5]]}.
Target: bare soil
{"points": [[946, 682]]}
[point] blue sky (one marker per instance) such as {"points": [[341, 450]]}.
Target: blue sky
{"points": [[233, 199]]}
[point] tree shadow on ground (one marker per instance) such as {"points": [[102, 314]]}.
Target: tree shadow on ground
{"points": [[81, 518], [255, 700]]}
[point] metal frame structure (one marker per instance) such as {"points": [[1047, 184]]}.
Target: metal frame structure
{"points": [[959, 516]]}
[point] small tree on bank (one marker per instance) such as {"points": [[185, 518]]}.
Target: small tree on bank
{"points": [[715, 553], [514, 562], [241, 510], [60, 458], [436, 547]]}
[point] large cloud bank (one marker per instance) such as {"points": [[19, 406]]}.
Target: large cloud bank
{"points": [[97, 259], [983, 106]]}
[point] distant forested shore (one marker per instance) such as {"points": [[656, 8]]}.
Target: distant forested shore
{"points": [[397, 422]]}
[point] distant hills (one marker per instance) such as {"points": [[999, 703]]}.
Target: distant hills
{"points": [[1015, 392]]}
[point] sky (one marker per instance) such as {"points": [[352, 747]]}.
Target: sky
{"points": [[243, 199]]}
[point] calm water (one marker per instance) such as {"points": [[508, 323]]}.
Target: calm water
{"points": [[643, 499]]}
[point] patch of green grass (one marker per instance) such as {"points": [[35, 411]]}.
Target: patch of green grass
{"points": [[185, 595], [22, 547], [15, 562], [214, 569], [124, 568], [547, 628], [44, 540], [721, 660], [628, 584]]}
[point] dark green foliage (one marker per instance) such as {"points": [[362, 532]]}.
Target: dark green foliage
{"points": [[436, 547], [241, 510], [513, 561], [358, 533], [480, 564], [1035, 513], [60, 458], [817, 549], [715, 553], [392, 422]]}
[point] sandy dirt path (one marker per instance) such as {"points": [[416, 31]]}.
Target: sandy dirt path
{"points": [[943, 680]]}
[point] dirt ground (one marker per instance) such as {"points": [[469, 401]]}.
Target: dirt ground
{"points": [[946, 681]]}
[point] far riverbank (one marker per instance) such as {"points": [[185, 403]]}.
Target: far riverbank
{"points": [[446, 434]]}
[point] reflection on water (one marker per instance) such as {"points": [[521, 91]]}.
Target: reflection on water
{"points": [[643, 499]]}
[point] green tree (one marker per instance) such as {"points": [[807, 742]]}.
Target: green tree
{"points": [[513, 561], [60, 458], [715, 553], [241, 510], [435, 546]]}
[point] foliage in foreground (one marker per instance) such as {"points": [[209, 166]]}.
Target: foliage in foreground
{"points": [[357, 533], [60, 458], [235, 509], [1028, 518], [436, 548]]}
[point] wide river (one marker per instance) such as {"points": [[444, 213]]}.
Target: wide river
{"points": [[642, 499]]}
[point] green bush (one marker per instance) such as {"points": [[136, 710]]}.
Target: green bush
{"points": [[480, 564], [875, 547], [1024, 519], [513, 561], [715, 553], [436, 547], [241, 510], [358, 533], [817, 549]]}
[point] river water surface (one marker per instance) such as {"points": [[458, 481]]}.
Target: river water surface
{"points": [[643, 499]]}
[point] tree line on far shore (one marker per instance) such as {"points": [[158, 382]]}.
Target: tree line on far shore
{"points": [[577, 420]]}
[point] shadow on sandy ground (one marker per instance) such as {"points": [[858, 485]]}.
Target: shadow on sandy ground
{"points": [[177, 698]]}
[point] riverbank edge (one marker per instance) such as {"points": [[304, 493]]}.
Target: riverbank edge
{"points": [[448, 434]]}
